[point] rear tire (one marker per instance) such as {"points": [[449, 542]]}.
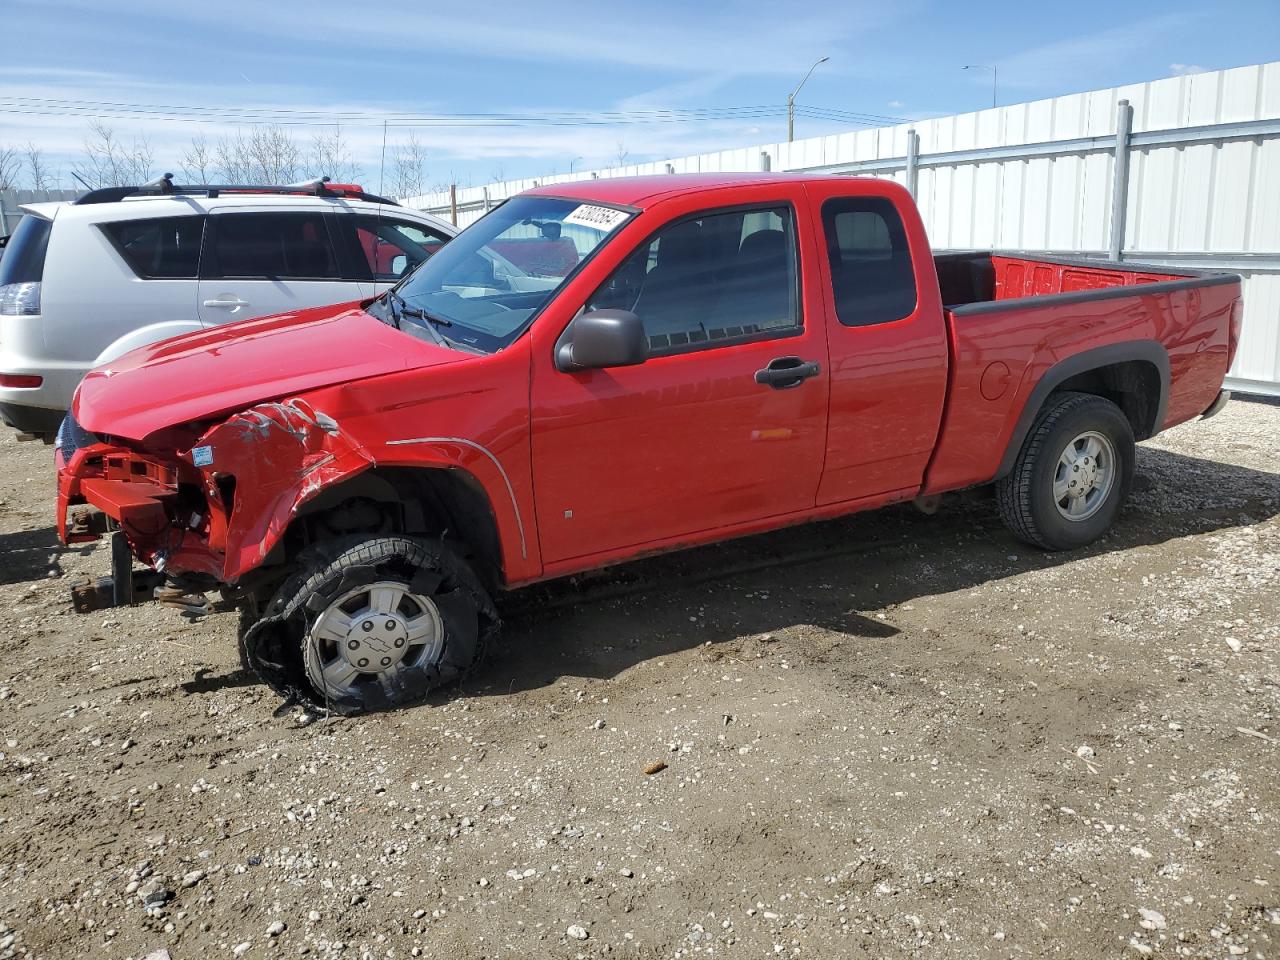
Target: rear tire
{"points": [[1072, 474], [372, 624]]}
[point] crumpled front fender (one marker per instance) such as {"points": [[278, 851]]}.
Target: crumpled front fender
{"points": [[280, 455]]}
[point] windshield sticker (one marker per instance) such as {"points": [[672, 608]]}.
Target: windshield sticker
{"points": [[598, 218]]}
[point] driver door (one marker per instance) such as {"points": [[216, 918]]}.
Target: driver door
{"points": [[698, 439]]}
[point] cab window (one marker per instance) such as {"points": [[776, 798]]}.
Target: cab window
{"points": [[716, 278]]}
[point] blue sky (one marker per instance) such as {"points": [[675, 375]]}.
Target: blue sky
{"points": [[899, 59]]}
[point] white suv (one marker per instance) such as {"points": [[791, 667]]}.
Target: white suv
{"points": [[86, 281]]}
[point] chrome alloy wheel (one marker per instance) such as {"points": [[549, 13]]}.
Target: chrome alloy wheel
{"points": [[377, 633], [1085, 475]]}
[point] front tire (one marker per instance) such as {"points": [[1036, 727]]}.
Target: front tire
{"points": [[1072, 474], [372, 624]]}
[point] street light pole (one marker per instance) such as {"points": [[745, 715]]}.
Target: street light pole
{"points": [[572, 162], [995, 77], [791, 100]]}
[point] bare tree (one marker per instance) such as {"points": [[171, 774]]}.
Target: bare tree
{"points": [[331, 157], [267, 155], [10, 167], [408, 168], [111, 162], [231, 160], [198, 162], [40, 175], [623, 153], [274, 156]]}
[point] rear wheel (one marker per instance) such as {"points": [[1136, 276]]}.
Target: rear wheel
{"points": [[1071, 475], [372, 624]]}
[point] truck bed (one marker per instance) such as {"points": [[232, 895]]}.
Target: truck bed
{"points": [[972, 277], [1017, 323]]}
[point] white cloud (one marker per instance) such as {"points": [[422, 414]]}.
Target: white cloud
{"points": [[1074, 62], [692, 37], [1185, 69], [455, 150], [691, 51]]}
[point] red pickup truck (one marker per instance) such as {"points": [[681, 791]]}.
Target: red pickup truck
{"points": [[723, 355]]}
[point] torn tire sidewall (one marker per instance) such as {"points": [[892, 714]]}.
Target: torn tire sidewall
{"points": [[272, 647]]}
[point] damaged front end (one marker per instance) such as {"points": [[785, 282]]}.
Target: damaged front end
{"points": [[206, 513]]}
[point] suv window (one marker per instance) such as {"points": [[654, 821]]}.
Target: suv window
{"points": [[165, 249], [259, 246], [23, 260], [22, 266], [392, 248], [711, 279], [871, 269]]}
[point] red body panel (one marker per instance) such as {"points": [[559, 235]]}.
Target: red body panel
{"points": [[211, 372], [888, 380], [587, 468], [998, 358], [679, 444]]}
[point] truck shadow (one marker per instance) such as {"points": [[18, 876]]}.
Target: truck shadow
{"points": [[825, 574], [33, 554]]}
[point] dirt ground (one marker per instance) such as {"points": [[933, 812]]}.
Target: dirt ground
{"points": [[886, 736]]}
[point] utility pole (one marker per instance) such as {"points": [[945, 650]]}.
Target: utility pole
{"points": [[791, 100], [995, 77]]}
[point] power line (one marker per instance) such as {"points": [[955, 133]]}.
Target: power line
{"points": [[284, 116]]}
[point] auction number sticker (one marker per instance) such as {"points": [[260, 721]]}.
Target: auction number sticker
{"points": [[598, 218]]}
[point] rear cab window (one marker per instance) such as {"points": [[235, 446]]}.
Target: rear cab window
{"points": [[270, 246], [872, 274], [22, 266], [166, 248]]}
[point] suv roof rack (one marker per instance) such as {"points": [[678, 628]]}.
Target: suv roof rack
{"points": [[164, 186]]}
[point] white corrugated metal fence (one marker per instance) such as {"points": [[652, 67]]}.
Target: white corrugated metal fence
{"points": [[1202, 187]]}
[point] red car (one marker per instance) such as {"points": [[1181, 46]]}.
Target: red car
{"points": [[600, 370]]}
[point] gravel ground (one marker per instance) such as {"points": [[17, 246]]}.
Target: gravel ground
{"points": [[886, 736]]}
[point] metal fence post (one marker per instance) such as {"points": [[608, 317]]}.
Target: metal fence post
{"points": [[453, 203], [1120, 182], [913, 158]]}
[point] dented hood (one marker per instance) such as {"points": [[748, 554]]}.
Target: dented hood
{"points": [[218, 371]]}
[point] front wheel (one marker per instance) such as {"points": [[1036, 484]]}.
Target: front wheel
{"points": [[372, 624], [1071, 475]]}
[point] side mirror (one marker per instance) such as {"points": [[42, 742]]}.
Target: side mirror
{"points": [[602, 338]]}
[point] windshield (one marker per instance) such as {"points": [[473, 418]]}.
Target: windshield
{"points": [[484, 286]]}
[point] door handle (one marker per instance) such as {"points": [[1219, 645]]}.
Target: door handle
{"points": [[783, 373], [230, 303]]}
